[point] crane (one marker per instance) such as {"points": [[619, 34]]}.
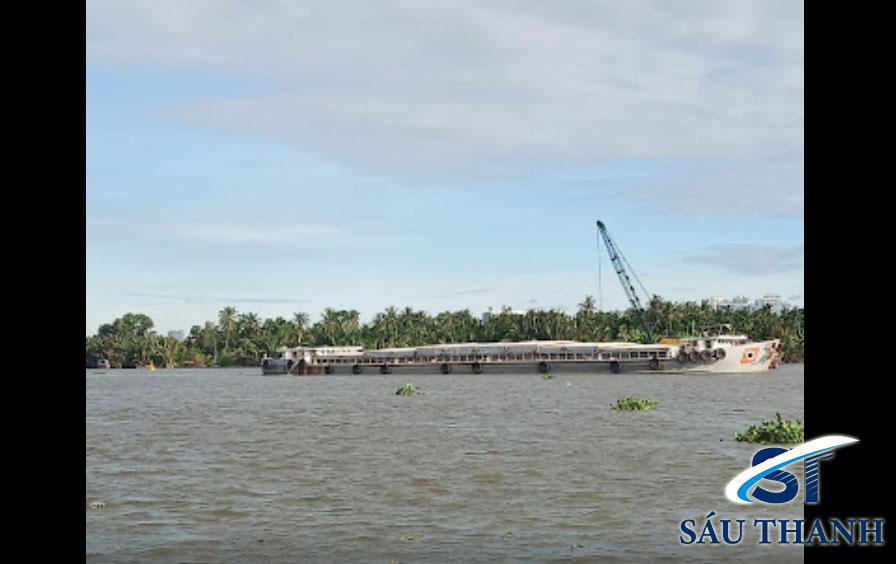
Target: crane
{"points": [[619, 265]]}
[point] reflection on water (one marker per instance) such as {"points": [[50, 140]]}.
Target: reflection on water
{"points": [[227, 465]]}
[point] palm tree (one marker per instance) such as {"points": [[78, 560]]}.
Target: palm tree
{"points": [[300, 323], [587, 304], [169, 349], [225, 322]]}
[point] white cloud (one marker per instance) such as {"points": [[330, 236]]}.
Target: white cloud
{"points": [[278, 232], [424, 88], [752, 259]]}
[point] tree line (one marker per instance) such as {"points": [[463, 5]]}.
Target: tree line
{"points": [[243, 339]]}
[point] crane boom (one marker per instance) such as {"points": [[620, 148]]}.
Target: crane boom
{"points": [[619, 262]]}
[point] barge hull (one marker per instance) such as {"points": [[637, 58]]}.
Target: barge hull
{"points": [[557, 356]]}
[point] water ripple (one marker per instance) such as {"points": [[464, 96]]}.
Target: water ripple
{"points": [[225, 465]]}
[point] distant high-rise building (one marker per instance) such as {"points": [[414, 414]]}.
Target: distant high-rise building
{"points": [[487, 316], [734, 304], [743, 303], [772, 300]]}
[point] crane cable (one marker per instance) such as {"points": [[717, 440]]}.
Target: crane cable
{"points": [[635, 274], [600, 287], [600, 276]]}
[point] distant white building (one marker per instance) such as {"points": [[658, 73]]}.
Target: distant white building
{"points": [[178, 334], [487, 316], [773, 300], [738, 303], [734, 304]]}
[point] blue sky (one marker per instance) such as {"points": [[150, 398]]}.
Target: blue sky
{"points": [[292, 156]]}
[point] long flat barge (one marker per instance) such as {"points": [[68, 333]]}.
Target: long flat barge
{"points": [[715, 353]]}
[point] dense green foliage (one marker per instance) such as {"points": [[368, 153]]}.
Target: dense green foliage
{"points": [[779, 431], [631, 403], [242, 339]]}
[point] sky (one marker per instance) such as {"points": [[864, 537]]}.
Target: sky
{"points": [[285, 156]]}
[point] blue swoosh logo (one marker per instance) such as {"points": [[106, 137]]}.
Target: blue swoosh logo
{"points": [[738, 488]]}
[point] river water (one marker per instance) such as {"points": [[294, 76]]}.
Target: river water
{"points": [[230, 466]]}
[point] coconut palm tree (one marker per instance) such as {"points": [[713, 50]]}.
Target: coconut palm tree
{"points": [[226, 322], [587, 304], [169, 348], [300, 322]]}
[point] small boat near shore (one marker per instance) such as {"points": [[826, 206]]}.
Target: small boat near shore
{"points": [[711, 352]]}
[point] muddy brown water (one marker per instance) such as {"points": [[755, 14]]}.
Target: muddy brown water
{"points": [[230, 466]]}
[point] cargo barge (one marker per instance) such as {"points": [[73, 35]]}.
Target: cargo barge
{"points": [[712, 353]]}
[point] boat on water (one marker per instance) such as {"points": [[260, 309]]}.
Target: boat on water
{"points": [[714, 351]]}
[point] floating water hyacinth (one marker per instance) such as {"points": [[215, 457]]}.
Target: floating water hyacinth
{"points": [[779, 431], [406, 390], [633, 404]]}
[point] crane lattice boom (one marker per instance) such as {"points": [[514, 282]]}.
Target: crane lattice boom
{"points": [[619, 263]]}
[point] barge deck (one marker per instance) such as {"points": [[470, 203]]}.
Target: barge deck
{"points": [[719, 353]]}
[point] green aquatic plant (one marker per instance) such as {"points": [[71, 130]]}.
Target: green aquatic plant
{"points": [[547, 376], [631, 403], [406, 390], [779, 431]]}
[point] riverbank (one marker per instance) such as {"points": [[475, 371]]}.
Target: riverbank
{"points": [[243, 339]]}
